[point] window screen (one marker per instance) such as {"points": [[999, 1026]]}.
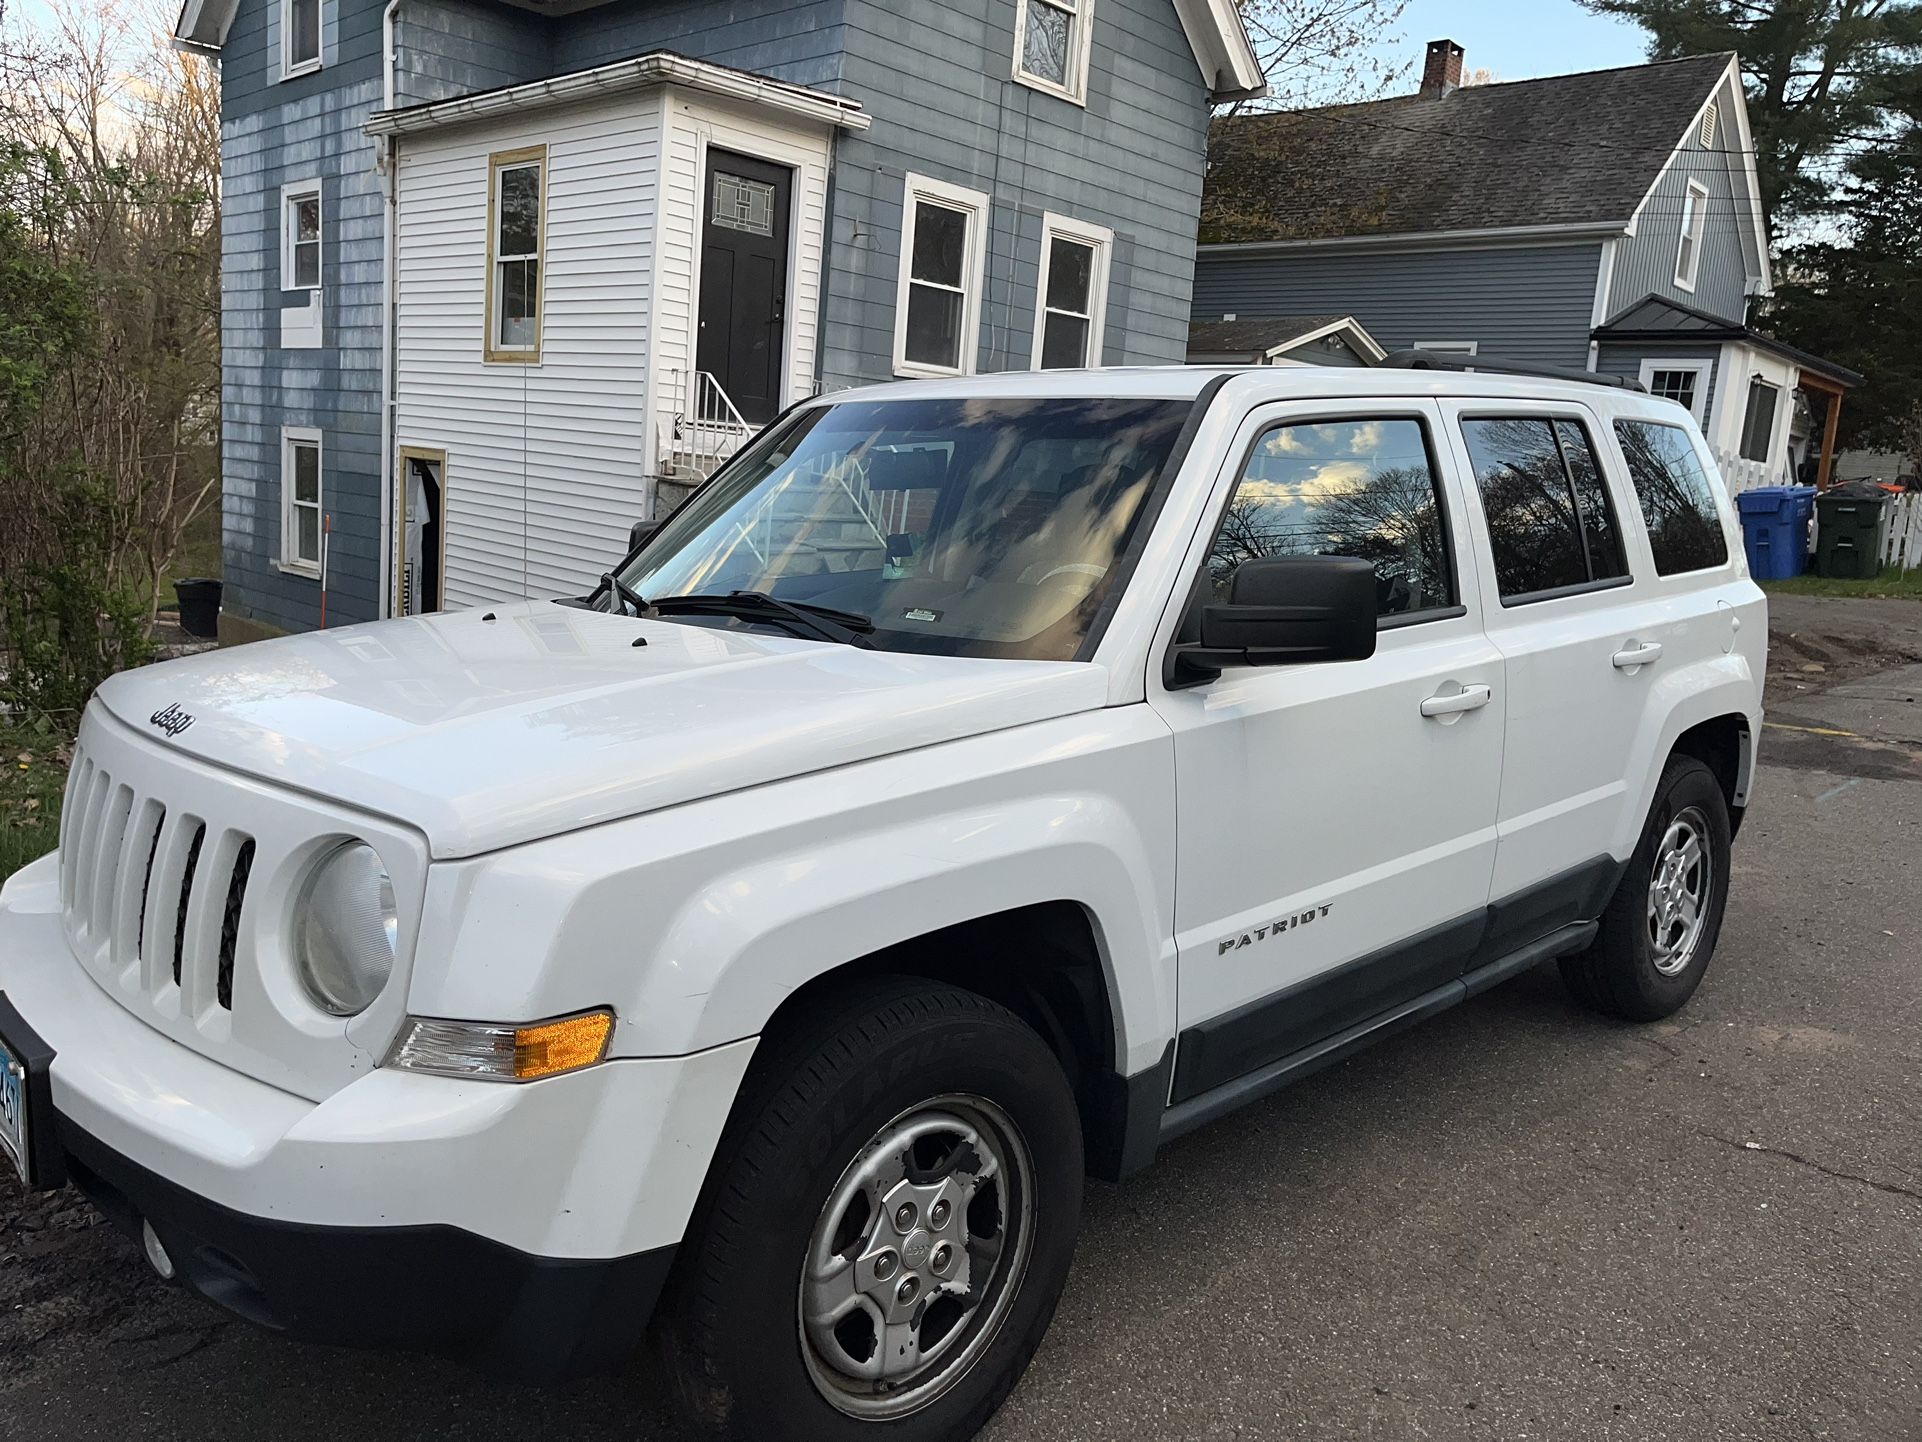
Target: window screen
{"points": [[1550, 523], [1344, 488], [1684, 527]]}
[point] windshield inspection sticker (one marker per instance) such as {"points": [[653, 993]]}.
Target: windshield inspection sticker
{"points": [[920, 613]]}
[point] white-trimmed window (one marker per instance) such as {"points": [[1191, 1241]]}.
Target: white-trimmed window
{"points": [[300, 528], [1450, 347], [1688, 253], [1758, 420], [516, 229], [944, 255], [1071, 296], [1684, 382], [300, 235], [299, 37], [1052, 41]]}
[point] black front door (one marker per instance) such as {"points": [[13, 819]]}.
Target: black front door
{"points": [[744, 281]]}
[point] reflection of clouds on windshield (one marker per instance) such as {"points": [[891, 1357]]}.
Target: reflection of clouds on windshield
{"points": [[1361, 441]]}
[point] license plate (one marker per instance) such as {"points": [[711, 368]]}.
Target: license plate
{"points": [[13, 1111]]}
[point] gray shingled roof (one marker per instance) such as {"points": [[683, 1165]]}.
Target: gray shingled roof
{"points": [[1254, 336], [1562, 150]]}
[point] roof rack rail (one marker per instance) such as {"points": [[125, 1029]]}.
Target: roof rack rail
{"points": [[1429, 360]]}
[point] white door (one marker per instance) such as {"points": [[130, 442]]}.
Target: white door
{"points": [[1585, 646], [1336, 842]]}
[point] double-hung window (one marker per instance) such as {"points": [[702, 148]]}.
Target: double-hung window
{"points": [[937, 324], [299, 37], [1071, 300], [1551, 523], [1688, 253], [300, 500], [300, 235], [516, 215], [1052, 40]]}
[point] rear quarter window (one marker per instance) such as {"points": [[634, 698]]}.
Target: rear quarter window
{"points": [[1678, 505]]}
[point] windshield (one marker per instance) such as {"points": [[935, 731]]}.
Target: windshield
{"points": [[959, 527]]}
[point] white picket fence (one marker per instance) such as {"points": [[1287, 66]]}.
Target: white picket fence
{"points": [[1902, 547], [1902, 542]]}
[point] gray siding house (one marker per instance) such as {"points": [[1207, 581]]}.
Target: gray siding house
{"points": [[1607, 221], [502, 278]]}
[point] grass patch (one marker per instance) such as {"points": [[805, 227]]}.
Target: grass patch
{"points": [[1894, 584], [31, 785]]}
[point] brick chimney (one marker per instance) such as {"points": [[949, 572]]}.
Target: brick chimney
{"points": [[1443, 70]]}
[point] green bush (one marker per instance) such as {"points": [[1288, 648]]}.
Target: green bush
{"points": [[70, 621]]}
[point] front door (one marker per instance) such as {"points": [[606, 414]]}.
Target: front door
{"points": [[421, 549], [1337, 820], [744, 270]]}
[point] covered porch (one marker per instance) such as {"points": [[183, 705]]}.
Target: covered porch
{"points": [[1741, 385]]}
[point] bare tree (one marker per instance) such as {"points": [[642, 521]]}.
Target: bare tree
{"points": [[119, 135], [1321, 52]]}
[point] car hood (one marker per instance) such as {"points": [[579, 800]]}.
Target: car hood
{"points": [[489, 728]]}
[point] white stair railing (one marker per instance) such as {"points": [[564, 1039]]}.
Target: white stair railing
{"points": [[705, 427]]}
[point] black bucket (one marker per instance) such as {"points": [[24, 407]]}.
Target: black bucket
{"points": [[199, 606]]}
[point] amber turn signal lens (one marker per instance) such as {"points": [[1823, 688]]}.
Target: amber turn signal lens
{"points": [[558, 1046]]}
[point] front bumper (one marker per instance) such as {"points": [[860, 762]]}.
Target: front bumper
{"points": [[430, 1288], [528, 1226]]}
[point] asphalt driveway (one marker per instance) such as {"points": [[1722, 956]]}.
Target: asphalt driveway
{"points": [[1518, 1221]]}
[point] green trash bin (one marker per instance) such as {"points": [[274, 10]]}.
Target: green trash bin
{"points": [[1849, 534]]}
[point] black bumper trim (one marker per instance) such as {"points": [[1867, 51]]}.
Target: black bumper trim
{"points": [[432, 1288]]}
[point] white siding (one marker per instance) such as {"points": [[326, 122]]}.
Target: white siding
{"points": [[694, 124], [548, 464]]}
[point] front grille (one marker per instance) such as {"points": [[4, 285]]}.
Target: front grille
{"points": [[135, 879]]}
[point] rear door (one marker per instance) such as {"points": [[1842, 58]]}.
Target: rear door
{"points": [[1337, 821], [1560, 548]]}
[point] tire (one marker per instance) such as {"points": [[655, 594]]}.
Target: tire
{"points": [[903, 1092], [1650, 955]]}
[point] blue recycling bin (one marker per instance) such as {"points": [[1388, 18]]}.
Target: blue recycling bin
{"points": [[1775, 530]]}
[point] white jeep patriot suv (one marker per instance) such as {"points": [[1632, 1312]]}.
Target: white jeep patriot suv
{"points": [[976, 784]]}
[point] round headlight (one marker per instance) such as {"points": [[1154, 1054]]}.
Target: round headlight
{"points": [[346, 930]]}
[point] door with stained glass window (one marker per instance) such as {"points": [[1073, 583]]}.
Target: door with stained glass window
{"points": [[744, 274]]}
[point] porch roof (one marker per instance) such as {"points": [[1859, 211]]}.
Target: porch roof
{"points": [[1264, 338], [661, 67], [1657, 318]]}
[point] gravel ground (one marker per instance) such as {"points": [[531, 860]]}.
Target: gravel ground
{"points": [[1518, 1221]]}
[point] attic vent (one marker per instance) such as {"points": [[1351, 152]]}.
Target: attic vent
{"points": [[1709, 117]]}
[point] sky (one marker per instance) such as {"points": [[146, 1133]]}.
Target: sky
{"points": [[1517, 39]]}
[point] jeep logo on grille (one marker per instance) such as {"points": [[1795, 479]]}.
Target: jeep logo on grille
{"points": [[172, 719]]}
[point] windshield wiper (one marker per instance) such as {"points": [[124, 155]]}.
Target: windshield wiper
{"points": [[825, 623]]}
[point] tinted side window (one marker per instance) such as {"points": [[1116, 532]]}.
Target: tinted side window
{"points": [[1603, 536], [1684, 528], [1344, 488], [1550, 521], [1531, 516]]}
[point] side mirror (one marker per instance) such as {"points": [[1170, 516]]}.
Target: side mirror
{"points": [[640, 533], [1284, 611]]}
